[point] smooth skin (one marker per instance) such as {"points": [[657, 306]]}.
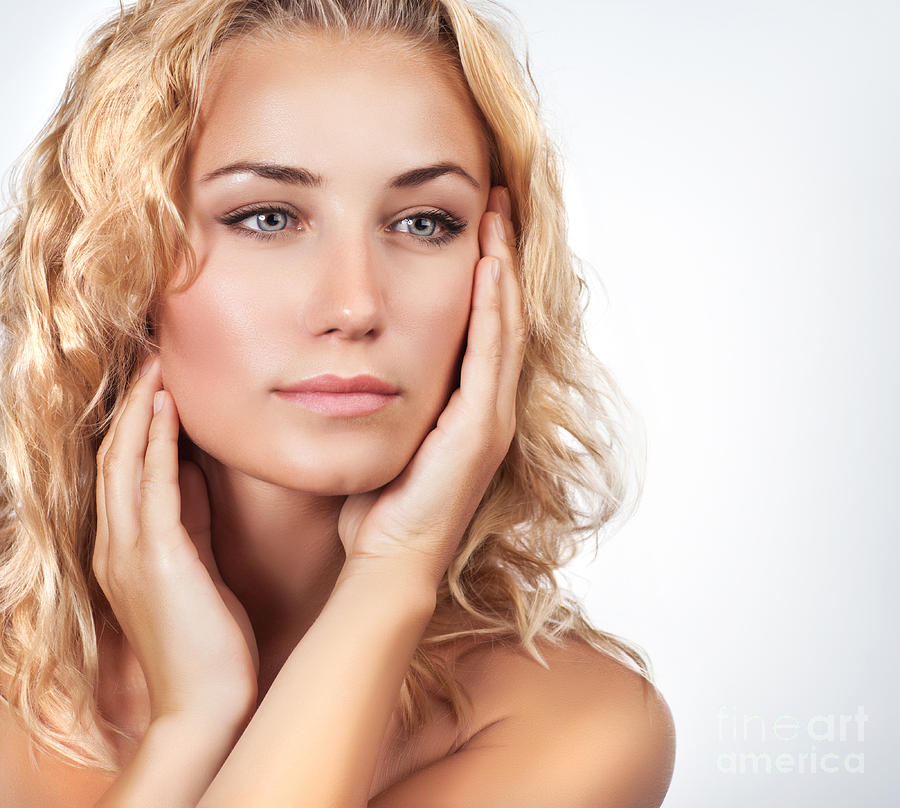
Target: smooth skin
{"points": [[316, 735], [161, 538], [347, 287], [153, 557], [360, 303]]}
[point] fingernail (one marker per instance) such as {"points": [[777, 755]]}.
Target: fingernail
{"points": [[495, 269], [500, 227], [146, 366], [158, 400], [505, 203]]}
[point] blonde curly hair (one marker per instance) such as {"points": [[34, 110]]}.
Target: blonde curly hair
{"points": [[94, 240]]}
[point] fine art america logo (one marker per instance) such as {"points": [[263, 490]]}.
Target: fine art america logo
{"points": [[830, 743]]}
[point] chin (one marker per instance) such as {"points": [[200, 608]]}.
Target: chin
{"points": [[335, 478], [332, 468], [341, 474], [342, 463]]}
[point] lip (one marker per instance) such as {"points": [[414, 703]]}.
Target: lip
{"points": [[334, 395], [329, 383]]}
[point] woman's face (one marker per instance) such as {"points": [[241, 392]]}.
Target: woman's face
{"points": [[332, 197]]}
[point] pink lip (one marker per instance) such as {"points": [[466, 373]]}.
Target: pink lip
{"points": [[333, 395], [336, 384]]}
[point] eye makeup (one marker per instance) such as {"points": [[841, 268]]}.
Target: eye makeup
{"points": [[447, 225], [235, 219]]}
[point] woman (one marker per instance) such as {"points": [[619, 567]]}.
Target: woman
{"points": [[305, 554]]}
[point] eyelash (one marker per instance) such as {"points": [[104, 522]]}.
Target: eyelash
{"points": [[451, 225]]}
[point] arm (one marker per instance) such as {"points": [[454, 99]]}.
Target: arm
{"points": [[341, 683], [177, 759]]}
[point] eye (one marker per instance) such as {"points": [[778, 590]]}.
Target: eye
{"points": [[420, 225], [260, 221], [269, 222], [425, 224]]}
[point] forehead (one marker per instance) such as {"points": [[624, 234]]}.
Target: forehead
{"points": [[336, 106]]}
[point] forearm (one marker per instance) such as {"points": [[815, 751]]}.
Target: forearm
{"points": [[316, 736], [175, 763]]}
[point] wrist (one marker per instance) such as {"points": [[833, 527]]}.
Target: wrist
{"points": [[203, 730], [391, 579], [178, 757], [223, 715]]}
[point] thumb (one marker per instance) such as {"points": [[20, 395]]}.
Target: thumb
{"points": [[195, 514], [354, 510]]}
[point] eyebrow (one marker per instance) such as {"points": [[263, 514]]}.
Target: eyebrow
{"points": [[294, 175]]}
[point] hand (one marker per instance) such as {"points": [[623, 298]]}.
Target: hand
{"points": [[154, 561], [419, 518]]}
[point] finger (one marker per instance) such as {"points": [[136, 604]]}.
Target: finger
{"points": [[493, 236], [194, 512], [160, 504], [101, 543], [123, 402], [499, 241], [514, 337], [101, 538], [480, 370], [124, 461]]}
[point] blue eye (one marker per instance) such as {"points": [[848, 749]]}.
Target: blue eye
{"points": [[262, 221], [269, 222], [415, 226], [424, 224], [431, 227]]}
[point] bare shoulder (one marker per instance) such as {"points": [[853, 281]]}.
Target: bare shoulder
{"points": [[601, 709], [584, 731], [32, 779]]}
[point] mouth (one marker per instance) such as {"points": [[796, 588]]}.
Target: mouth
{"points": [[338, 396]]}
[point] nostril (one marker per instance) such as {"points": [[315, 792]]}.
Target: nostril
{"points": [[353, 308]]}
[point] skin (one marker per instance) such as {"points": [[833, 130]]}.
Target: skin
{"points": [[215, 576], [290, 510], [341, 297]]}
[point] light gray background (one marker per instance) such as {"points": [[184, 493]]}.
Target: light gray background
{"points": [[732, 178]]}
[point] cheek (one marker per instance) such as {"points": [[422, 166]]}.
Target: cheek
{"points": [[205, 338], [211, 329], [439, 319], [193, 334]]}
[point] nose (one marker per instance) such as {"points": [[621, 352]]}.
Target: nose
{"points": [[346, 299]]}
